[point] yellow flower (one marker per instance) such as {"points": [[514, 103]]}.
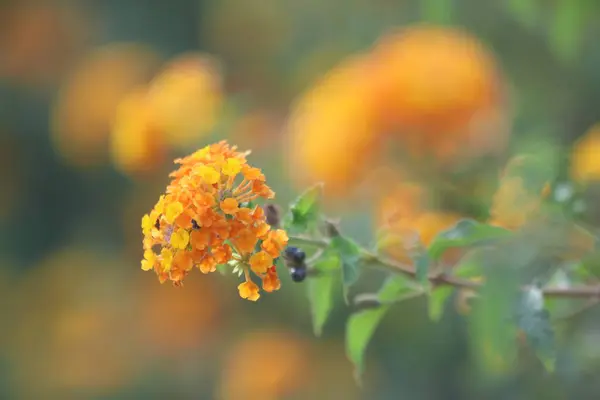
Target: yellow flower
{"points": [[180, 239], [232, 167], [167, 259], [149, 260], [208, 174], [585, 160], [249, 290], [260, 262], [173, 211], [198, 221], [147, 225]]}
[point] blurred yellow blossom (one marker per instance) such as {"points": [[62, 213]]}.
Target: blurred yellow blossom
{"points": [[186, 98], [86, 104], [333, 132], [137, 146], [192, 230], [585, 157]]}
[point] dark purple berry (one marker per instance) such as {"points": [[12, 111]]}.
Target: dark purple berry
{"points": [[298, 274]]}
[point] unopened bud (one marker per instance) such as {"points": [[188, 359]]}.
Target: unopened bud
{"points": [[273, 215]]}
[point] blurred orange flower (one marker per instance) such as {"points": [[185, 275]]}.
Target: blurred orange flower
{"points": [[436, 85], [87, 102], [205, 219], [406, 220], [439, 76], [186, 98], [267, 365], [333, 131], [62, 337], [39, 39], [585, 157]]}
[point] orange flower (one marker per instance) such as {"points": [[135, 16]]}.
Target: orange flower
{"points": [[275, 242], [190, 230], [229, 206], [249, 290], [261, 262], [271, 282]]}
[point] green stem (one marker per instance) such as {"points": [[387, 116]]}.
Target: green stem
{"points": [[442, 279]]}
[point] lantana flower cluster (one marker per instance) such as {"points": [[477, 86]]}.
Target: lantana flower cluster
{"points": [[207, 218]]}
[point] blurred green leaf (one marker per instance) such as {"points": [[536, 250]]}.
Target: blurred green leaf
{"points": [[349, 253], [493, 335], [361, 325], [526, 12], [466, 232], [395, 287], [437, 300], [304, 211], [437, 11], [422, 262], [534, 321], [320, 292], [359, 330], [471, 265], [566, 29]]}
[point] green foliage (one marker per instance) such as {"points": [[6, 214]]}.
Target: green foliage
{"points": [[304, 211], [471, 265], [362, 325], [566, 29], [320, 291], [437, 11], [526, 12], [349, 253], [465, 233], [534, 321], [492, 333], [422, 261], [437, 300]]}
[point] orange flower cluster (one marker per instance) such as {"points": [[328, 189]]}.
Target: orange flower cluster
{"points": [[434, 91], [204, 219]]}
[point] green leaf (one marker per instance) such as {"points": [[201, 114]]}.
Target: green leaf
{"points": [[437, 300], [436, 11], [566, 29], [359, 330], [320, 292], [526, 12], [466, 232], [422, 262], [349, 253], [394, 287], [362, 325], [493, 335], [304, 211], [471, 265], [534, 320]]}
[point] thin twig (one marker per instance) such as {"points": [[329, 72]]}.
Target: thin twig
{"points": [[441, 279]]}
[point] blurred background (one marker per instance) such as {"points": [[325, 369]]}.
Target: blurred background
{"points": [[397, 105]]}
